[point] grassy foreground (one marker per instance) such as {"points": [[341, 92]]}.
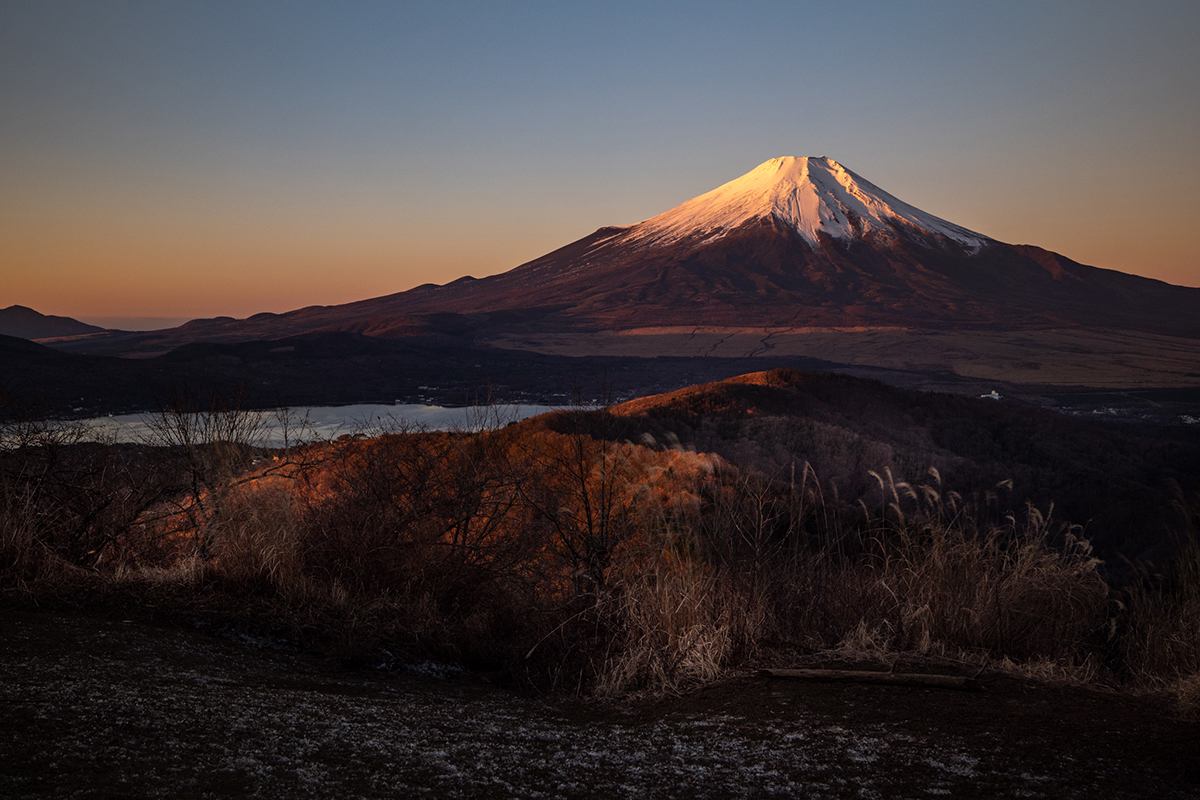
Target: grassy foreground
{"points": [[565, 561]]}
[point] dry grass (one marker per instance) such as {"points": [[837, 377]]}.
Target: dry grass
{"points": [[19, 550], [572, 564], [1158, 633], [678, 628], [1003, 591], [1188, 693]]}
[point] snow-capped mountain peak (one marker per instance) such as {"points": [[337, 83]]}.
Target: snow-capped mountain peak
{"points": [[812, 195]]}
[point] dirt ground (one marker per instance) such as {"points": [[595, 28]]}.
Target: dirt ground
{"points": [[94, 706]]}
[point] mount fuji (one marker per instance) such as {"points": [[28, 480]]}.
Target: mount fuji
{"points": [[807, 242], [796, 245]]}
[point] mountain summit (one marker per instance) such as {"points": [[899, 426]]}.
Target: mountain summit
{"points": [[814, 196]]}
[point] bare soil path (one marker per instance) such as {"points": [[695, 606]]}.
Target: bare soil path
{"points": [[92, 706]]}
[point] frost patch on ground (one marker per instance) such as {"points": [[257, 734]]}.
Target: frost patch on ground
{"points": [[160, 713]]}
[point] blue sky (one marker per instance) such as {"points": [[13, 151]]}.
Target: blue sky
{"points": [[192, 159]]}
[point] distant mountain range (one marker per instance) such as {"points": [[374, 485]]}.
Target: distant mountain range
{"points": [[25, 323]]}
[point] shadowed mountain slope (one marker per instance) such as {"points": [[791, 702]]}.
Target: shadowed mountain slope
{"points": [[25, 323]]}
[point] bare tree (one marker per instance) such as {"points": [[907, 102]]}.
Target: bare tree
{"points": [[65, 490], [209, 447], [580, 488]]}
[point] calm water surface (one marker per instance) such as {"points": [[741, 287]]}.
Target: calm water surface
{"points": [[308, 423]]}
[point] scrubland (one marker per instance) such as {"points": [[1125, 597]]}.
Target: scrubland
{"points": [[584, 552]]}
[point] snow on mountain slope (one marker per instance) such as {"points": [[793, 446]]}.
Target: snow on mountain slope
{"points": [[812, 195]]}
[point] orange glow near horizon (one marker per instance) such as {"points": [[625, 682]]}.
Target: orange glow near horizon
{"points": [[85, 277], [109, 274], [189, 272]]}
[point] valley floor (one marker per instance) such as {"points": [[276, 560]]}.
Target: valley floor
{"points": [[1047, 357], [101, 706]]}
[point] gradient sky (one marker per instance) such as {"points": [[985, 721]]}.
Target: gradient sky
{"points": [[188, 159]]}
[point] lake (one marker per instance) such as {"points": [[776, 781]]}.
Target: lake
{"points": [[309, 423]]}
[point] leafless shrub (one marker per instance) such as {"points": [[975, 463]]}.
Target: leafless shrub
{"points": [[209, 448], [62, 497]]}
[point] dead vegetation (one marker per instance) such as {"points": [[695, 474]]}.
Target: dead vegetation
{"points": [[560, 556]]}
